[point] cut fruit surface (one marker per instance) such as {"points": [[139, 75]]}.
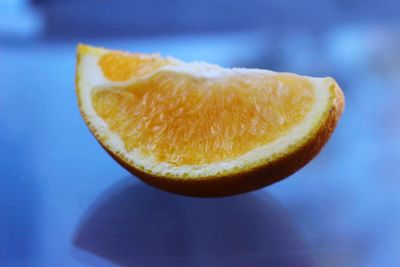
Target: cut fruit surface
{"points": [[182, 120], [199, 129]]}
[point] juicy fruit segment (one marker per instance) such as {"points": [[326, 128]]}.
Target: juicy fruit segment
{"points": [[119, 67], [189, 120], [208, 122]]}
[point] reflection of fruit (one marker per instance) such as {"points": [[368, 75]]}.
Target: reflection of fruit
{"points": [[199, 129]]}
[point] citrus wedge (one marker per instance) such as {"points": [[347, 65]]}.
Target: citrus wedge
{"points": [[200, 129]]}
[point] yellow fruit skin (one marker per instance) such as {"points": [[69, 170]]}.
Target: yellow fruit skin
{"points": [[253, 179], [277, 169]]}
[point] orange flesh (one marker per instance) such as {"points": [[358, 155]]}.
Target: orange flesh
{"points": [[183, 120], [119, 67]]}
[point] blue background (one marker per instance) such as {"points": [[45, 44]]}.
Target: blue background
{"points": [[65, 202]]}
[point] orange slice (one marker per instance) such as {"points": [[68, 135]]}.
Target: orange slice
{"points": [[200, 129]]}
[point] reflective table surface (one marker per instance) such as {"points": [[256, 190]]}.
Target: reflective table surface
{"points": [[65, 202]]}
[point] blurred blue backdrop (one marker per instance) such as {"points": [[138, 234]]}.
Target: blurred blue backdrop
{"points": [[64, 202]]}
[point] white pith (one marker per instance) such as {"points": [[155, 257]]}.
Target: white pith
{"points": [[91, 76]]}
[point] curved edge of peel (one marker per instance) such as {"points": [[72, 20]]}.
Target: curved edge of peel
{"points": [[278, 168], [251, 179]]}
